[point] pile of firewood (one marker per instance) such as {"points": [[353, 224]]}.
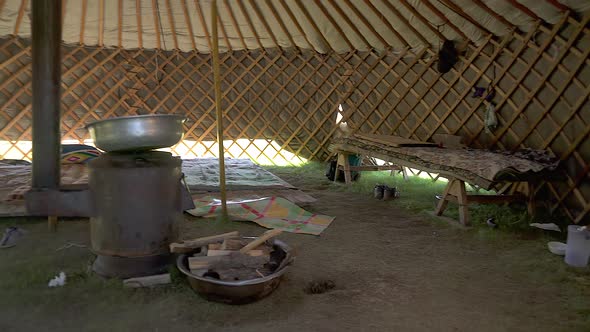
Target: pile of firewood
{"points": [[229, 257]]}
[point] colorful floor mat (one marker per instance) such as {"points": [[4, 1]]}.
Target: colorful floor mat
{"points": [[270, 212]]}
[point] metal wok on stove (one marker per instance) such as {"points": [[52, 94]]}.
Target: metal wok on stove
{"points": [[137, 133]]}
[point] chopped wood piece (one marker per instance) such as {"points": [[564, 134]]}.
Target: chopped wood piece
{"points": [[253, 253], [214, 252], [199, 272], [257, 253], [215, 246], [189, 245], [233, 244], [235, 274], [261, 239], [149, 281], [202, 262]]}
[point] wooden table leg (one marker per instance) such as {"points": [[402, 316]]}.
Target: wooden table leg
{"points": [[442, 204], [455, 188], [404, 173], [343, 160], [337, 164], [347, 173], [52, 223], [531, 206], [461, 194]]}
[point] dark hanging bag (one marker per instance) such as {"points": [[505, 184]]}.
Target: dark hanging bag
{"points": [[447, 57]]}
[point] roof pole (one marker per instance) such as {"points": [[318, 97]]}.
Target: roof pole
{"points": [[219, 112], [46, 38]]}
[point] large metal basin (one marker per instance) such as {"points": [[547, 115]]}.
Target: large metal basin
{"points": [[236, 292], [137, 133]]}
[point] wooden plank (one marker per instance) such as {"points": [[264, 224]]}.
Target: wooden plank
{"points": [[348, 93], [351, 24], [443, 202], [149, 281], [119, 23], [548, 71], [19, 17], [394, 141], [461, 195], [334, 24], [370, 27], [262, 19], [277, 17], [441, 96], [221, 26], [235, 23], [220, 252], [421, 17], [218, 109], [497, 16], [524, 9], [463, 94], [203, 262], [260, 240], [504, 70], [250, 24], [171, 23], [203, 23], [312, 23], [101, 23], [192, 244], [490, 199], [450, 4], [189, 24], [52, 223], [373, 168], [346, 168], [296, 23], [391, 28], [83, 20], [156, 23], [139, 23]]}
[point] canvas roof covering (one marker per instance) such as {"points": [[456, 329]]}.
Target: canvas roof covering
{"points": [[321, 25]]}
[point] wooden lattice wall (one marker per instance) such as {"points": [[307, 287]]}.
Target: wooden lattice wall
{"points": [[288, 100], [542, 83]]}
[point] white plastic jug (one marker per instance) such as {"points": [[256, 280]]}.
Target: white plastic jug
{"points": [[577, 251]]}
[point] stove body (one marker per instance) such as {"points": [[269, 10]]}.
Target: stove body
{"points": [[138, 201]]}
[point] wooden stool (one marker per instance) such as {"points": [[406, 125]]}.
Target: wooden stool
{"points": [[455, 192]]}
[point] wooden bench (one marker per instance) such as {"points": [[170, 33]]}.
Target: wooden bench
{"points": [[522, 186], [343, 164], [455, 192]]}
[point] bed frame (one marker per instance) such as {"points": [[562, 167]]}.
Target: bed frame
{"points": [[454, 192]]}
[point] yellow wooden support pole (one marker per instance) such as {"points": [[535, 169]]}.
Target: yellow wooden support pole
{"points": [[219, 111]]}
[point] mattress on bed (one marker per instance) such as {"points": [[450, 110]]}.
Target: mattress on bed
{"points": [[476, 166]]}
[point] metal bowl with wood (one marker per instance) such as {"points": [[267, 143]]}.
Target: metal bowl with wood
{"points": [[240, 291], [137, 133]]}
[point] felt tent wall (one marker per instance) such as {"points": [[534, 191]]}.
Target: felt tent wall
{"points": [[288, 65]]}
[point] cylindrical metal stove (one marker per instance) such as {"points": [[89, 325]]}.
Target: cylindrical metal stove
{"points": [[137, 210]]}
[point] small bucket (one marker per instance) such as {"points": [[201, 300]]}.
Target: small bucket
{"points": [[378, 191], [577, 251]]}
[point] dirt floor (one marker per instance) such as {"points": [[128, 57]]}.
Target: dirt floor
{"points": [[394, 270]]}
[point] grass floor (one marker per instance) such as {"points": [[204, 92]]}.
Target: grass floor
{"points": [[396, 268], [418, 195]]}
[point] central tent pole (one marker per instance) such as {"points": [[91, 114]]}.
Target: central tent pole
{"points": [[46, 82], [219, 112]]}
